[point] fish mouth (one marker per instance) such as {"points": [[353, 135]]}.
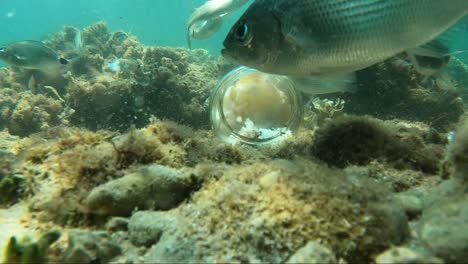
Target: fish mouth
{"points": [[227, 55], [224, 52]]}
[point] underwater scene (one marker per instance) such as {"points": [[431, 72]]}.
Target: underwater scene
{"points": [[234, 131]]}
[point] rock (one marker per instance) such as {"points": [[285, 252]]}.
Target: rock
{"points": [[154, 186], [443, 228], [458, 152], [146, 227], [172, 249], [313, 252], [412, 204], [393, 218], [117, 224], [404, 255], [89, 247]]}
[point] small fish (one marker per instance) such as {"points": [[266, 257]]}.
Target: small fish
{"points": [[323, 37], [429, 61], [204, 29], [32, 55], [120, 36], [78, 40], [209, 17]]}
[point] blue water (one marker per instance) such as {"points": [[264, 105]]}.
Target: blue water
{"points": [[154, 22]]}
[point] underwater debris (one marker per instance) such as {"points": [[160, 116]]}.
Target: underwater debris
{"points": [[251, 107]]}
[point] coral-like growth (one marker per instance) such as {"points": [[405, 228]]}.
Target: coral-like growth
{"points": [[25, 113], [79, 160]]}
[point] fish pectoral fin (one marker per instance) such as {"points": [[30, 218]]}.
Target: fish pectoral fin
{"points": [[325, 84]]}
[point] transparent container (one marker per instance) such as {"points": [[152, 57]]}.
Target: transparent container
{"points": [[253, 107]]}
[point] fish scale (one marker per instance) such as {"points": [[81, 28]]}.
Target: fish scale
{"points": [[319, 37]]}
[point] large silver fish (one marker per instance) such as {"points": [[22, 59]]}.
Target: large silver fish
{"points": [[323, 37], [31, 54]]}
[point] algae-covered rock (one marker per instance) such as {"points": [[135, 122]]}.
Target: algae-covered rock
{"points": [[147, 227], [389, 90], [351, 140], [459, 152], [313, 252], [88, 247], [11, 185], [266, 212], [404, 255], [154, 186], [354, 140], [24, 113], [442, 228]]}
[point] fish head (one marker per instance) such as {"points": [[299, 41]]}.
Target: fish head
{"points": [[9, 55], [255, 40], [5, 53]]}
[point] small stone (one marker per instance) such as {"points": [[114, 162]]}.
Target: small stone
{"points": [[313, 252], [404, 255]]}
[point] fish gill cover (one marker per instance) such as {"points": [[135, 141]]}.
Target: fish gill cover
{"points": [[112, 158]]}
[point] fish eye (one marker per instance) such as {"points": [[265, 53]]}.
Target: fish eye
{"points": [[242, 31], [2, 49]]}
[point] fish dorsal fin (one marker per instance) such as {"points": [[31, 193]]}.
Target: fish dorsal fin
{"points": [[290, 26]]}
